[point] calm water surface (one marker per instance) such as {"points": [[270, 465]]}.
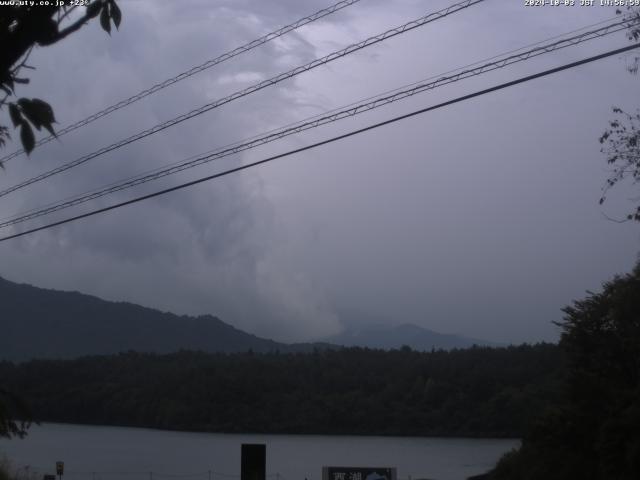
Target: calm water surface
{"points": [[116, 453]]}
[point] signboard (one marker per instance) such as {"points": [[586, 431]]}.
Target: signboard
{"points": [[358, 473], [59, 468]]}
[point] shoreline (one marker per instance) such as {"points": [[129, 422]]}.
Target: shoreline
{"points": [[275, 434]]}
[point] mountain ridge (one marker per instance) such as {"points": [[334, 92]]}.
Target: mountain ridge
{"points": [[364, 329], [47, 323], [38, 322], [385, 336]]}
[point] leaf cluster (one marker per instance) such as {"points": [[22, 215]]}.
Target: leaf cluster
{"points": [[621, 140], [632, 15], [621, 145], [26, 113], [23, 27]]}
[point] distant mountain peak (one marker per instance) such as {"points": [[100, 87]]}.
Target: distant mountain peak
{"points": [[387, 335]]}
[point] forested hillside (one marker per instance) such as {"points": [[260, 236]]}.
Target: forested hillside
{"points": [[593, 433], [41, 323], [473, 392]]}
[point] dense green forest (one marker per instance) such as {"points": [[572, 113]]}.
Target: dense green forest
{"points": [[594, 432], [483, 392]]}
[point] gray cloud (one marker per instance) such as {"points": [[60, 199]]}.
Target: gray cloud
{"points": [[480, 219]]}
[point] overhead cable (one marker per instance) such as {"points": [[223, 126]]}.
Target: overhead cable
{"points": [[254, 88], [317, 121], [189, 73], [325, 142]]}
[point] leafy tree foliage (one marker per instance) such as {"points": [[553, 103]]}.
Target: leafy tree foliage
{"points": [[15, 416], [472, 392], [594, 433], [621, 140], [621, 144], [24, 27]]}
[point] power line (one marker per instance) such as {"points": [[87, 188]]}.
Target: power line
{"points": [[254, 88], [189, 73], [328, 141], [397, 89], [317, 121]]}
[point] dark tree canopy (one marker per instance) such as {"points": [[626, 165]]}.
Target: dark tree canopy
{"points": [[15, 415], [23, 28], [594, 433], [621, 144], [479, 391], [621, 140]]}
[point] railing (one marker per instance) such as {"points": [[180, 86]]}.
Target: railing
{"points": [[29, 472]]}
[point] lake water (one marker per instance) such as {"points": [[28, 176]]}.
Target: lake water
{"points": [[116, 453]]}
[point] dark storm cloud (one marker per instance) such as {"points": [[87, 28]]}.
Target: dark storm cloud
{"points": [[202, 252], [479, 219]]}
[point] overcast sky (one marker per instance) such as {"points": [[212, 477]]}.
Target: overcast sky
{"points": [[480, 219]]}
